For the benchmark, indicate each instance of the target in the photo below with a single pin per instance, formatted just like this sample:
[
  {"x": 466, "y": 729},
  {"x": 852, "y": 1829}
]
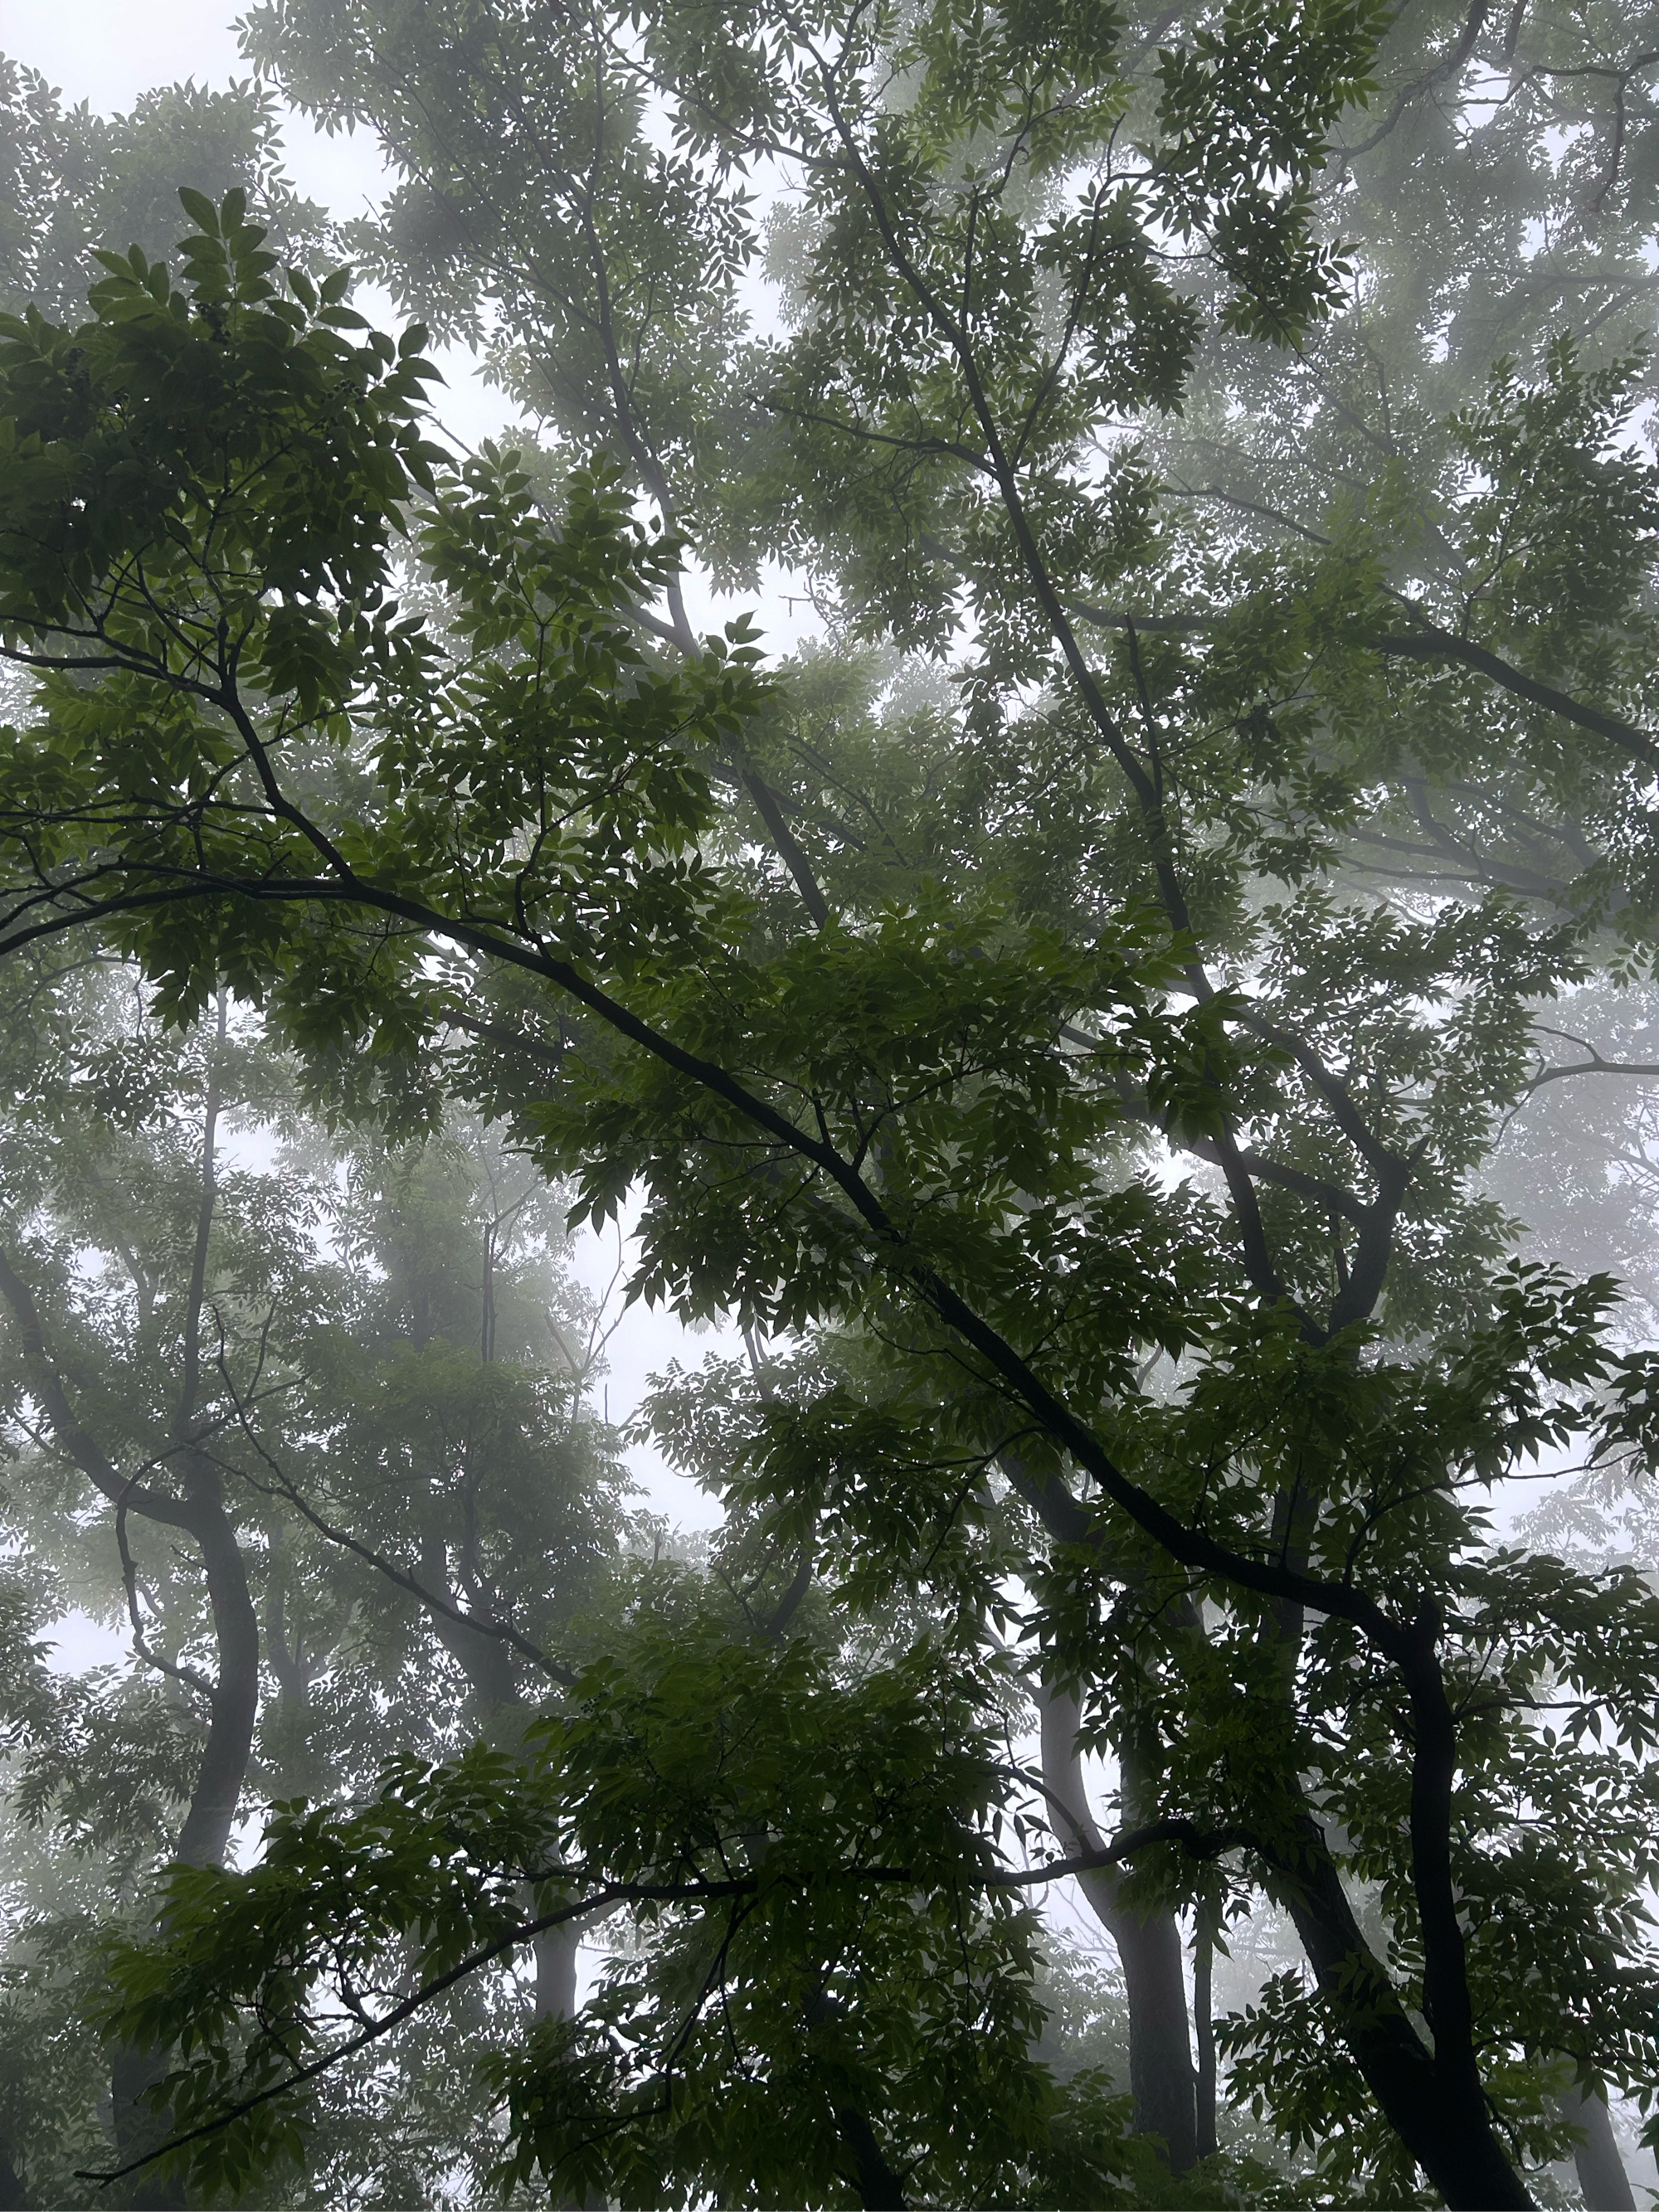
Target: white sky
[{"x": 108, "y": 52}]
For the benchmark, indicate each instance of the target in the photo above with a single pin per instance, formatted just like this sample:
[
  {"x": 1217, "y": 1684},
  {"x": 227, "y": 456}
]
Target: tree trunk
[
  {"x": 233, "y": 1701},
  {"x": 133, "y": 2072},
  {"x": 879, "y": 2188},
  {"x": 1602, "y": 2179},
  {"x": 1443, "y": 2123},
  {"x": 205, "y": 1836},
  {"x": 555, "y": 1972},
  {"x": 1162, "y": 2080},
  {"x": 234, "y": 1708},
  {"x": 1204, "y": 2031},
  {"x": 485, "y": 1660},
  {"x": 1438, "y": 2111},
  {"x": 14, "y": 2195},
  {"x": 555, "y": 1951}
]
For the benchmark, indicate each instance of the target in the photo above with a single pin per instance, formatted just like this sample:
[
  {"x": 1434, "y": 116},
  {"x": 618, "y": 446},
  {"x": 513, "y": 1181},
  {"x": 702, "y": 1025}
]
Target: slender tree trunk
[
  {"x": 555, "y": 1973},
  {"x": 289, "y": 1737},
  {"x": 205, "y": 1836},
  {"x": 133, "y": 2072},
  {"x": 14, "y": 2195},
  {"x": 493, "y": 1686},
  {"x": 555, "y": 1954},
  {"x": 234, "y": 1706},
  {"x": 1434, "y": 2101},
  {"x": 235, "y": 1694},
  {"x": 1204, "y": 2031},
  {"x": 1602, "y": 2179},
  {"x": 1162, "y": 2080},
  {"x": 1432, "y": 2097},
  {"x": 233, "y": 1700},
  {"x": 484, "y": 1660},
  {"x": 879, "y": 2188}
]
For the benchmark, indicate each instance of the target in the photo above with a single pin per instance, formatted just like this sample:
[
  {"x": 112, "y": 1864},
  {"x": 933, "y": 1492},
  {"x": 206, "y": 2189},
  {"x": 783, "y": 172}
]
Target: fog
[{"x": 831, "y": 1153}]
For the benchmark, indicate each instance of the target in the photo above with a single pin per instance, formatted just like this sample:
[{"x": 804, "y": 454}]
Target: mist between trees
[{"x": 1141, "y": 1030}]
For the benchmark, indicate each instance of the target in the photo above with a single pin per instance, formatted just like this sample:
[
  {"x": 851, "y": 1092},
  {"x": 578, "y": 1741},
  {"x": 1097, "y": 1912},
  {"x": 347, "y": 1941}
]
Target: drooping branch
[
  {"x": 1425, "y": 640},
  {"x": 281, "y": 1486},
  {"x": 73, "y": 1439},
  {"x": 607, "y": 1897}
]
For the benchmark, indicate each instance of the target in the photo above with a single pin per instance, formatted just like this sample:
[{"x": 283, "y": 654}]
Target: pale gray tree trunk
[
  {"x": 1602, "y": 2175},
  {"x": 1161, "y": 2079}
]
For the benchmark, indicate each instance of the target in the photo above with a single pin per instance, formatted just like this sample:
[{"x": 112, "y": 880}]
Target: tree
[
  {"x": 1343, "y": 1112},
  {"x": 72, "y": 182},
  {"x": 193, "y": 1388},
  {"x": 1459, "y": 126},
  {"x": 970, "y": 1058}
]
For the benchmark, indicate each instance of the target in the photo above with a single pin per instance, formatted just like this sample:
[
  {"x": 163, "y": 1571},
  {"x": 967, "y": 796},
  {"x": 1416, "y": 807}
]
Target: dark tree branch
[
  {"x": 188, "y": 1675},
  {"x": 549, "y": 1056},
  {"x": 605, "y": 1899},
  {"x": 1448, "y": 65},
  {"x": 1433, "y": 643},
  {"x": 769, "y": 807},
  {"x": 281, "y": 1486},
  {"x": 1596, "y": 1065},
  {"x": 73, "y": 1439}
]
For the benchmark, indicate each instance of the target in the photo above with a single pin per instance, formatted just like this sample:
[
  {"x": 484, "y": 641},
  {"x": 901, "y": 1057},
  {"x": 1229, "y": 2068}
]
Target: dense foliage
[{"x": 1080, "y": 1018}]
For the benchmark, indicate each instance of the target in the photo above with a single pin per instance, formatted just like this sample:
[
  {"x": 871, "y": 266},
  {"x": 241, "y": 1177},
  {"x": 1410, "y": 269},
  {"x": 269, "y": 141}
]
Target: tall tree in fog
[
  {"x": 200, "y": 1391},
  {"x": 606, "y": 278},
  {"x": 894, "y": 995}
]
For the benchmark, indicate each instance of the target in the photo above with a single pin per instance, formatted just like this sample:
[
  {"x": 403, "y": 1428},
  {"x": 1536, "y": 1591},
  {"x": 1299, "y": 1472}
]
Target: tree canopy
[{"x": 1100, "y": 1019}]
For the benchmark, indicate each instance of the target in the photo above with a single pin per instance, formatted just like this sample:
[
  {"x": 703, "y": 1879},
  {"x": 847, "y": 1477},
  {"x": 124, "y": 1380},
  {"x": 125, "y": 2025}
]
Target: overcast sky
[{"x": 107, "y": 52}]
